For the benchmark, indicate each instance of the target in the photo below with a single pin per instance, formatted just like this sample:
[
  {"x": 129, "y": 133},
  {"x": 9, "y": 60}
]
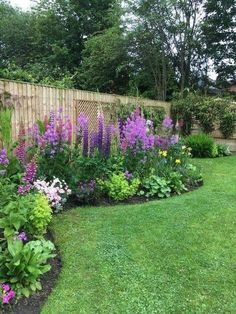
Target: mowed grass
[{"x": 176, "y": 255}]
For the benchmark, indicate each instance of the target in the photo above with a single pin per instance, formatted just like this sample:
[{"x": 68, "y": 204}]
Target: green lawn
[{"x": 177, "y": 255}]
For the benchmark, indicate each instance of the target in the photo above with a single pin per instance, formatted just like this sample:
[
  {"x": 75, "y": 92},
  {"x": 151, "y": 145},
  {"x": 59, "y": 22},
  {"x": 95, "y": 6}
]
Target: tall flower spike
[
  {"x": 20, "y": 149},
  {"x": 3, "y": 157},
  {"x": 107, "y": 144},
  {"x": 93, "y": 142},
  {"x": 100, "y": 131},
  {"x": 85, "y": 140},
  {"x": 30, "y": 171}
]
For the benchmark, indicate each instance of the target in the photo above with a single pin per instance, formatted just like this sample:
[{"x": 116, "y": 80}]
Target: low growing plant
[
  {"x": 21, "y": 265},
  {"x": 155, "y": 186},
  {"x": 119, "y": 188}
]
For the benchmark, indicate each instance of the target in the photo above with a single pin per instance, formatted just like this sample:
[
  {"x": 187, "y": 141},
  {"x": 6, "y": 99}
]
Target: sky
[{"x": 23, "y": 4}]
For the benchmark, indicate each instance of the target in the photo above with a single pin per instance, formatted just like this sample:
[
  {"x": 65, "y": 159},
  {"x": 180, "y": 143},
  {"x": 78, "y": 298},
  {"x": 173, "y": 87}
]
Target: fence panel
[{"x": 33, "y": 102}]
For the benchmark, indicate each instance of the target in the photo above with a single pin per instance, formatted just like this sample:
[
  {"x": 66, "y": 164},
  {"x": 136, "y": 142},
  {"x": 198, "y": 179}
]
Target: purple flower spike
[
  {"x": 30, "y": 171},
  {"x": 85, "y": 140},
  {"x": 3, "y": 157},
  {"x": 93, "y": 142},
  {"x": 107, "y": 144},
  {"x": 24, "y": 189},
  {"x": 100, "y": 131},
  {"x": 167, "y": 123}
]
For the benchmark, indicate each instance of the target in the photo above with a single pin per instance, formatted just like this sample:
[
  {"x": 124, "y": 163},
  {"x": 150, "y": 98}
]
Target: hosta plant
[{"x": 21, "y": 265}]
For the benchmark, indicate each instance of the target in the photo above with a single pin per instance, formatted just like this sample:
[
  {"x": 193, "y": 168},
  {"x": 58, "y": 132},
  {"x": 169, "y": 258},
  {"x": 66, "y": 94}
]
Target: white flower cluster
[{"x": 56, "y": 191}]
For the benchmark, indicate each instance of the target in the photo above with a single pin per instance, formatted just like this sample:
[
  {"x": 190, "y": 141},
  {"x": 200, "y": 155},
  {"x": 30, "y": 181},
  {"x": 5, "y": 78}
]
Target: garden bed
[
  {"x": 109, "y": 166},
  {"x": 73, "y": 202}
]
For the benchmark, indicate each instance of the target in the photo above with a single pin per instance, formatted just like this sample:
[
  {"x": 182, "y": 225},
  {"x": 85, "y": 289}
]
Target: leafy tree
[
  {"x": 220, "y": 36},
  {"x": 16, "y": 46},
  {"x": 105, "y": 63},
  {"x": 174, "y": 32}
]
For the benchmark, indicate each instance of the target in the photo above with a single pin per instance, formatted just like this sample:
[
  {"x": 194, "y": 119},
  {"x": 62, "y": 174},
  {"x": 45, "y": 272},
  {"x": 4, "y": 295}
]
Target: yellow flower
[
  {"x": 183, "y": 147},
  {"x": 178, "y": 161},
  {"x": 164, "y": 153}
]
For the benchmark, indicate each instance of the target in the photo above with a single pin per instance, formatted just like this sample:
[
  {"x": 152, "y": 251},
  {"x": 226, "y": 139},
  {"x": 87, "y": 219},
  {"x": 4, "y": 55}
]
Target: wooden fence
[{"x": 33, "y": 102}]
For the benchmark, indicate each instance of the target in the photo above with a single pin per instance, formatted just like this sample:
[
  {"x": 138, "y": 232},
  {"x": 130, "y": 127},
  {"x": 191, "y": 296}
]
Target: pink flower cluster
[
  {"x": 7, "y": 293},
  {"x": 28, "y": 178},
  {"x": 58, "y": 131},
  {"x": 136, "y": 134},
  {"x": 56, "y": 191},
  {"x": 20, "y": 151}
]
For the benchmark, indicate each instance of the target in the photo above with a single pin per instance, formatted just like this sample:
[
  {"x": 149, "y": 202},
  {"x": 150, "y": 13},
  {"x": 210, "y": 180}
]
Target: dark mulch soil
[
  {"x": 33, "y": 304},
  {"x": 74, "y": 202}
]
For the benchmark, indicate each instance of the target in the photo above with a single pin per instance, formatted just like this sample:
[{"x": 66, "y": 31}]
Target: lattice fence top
[{"x": 33, "y": 102}]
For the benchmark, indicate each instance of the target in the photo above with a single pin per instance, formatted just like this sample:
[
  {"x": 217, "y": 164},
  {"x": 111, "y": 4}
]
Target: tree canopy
[{"x": 153, "y": 48}]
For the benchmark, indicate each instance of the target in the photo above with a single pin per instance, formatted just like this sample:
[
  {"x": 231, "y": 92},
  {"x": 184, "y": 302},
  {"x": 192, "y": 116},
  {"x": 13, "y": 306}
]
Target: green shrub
[
  {"x": 30, "y": 213},
  {"x": 223, "y": 150},
  {"x": 208, "y": 111},
  {"x": 39, "y": 214},
  {"x": 191, "y": 176},
  {"x": 202, "y": 145},
  {"x": 227, "y": 123},
  {"x": 119, "y": 188},
  {"x": 176, "y": 184},
  {"x": 155, "y": 186},
  {"x": 21, "y": 264}
]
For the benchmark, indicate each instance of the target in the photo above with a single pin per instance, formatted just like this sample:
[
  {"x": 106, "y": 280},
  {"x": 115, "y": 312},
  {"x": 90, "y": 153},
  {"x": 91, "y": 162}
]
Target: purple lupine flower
[
  {"x": 51, "y": 134},
  {"x": 82, "y": 121},
  {"x": 167, "y": 123},
  {"x": 128, "y": 175},
  {"x": 121, "y": 128},
  {"x": 100, "y": 131},
  {"x": 30, "y": 171},
  {"x": 93, "y": 142},
  {"x": 20, "y": 151},
  {"x": 24, "y": 189},
  {"x": 107, "y": 144},
  {"x": 85, "y": 140},
  {"x": 3, "y": 157},
  {"x": 174, "y": 139}
]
